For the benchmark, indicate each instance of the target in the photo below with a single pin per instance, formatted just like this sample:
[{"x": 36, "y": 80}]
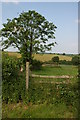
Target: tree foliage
[{"x": 29, "y": 33}]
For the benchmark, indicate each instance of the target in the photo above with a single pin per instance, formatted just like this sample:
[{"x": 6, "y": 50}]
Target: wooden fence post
[{"x": 27, "y": 75}]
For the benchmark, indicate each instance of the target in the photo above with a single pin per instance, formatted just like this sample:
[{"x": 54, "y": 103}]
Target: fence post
[{"x": 27, "y": 75}]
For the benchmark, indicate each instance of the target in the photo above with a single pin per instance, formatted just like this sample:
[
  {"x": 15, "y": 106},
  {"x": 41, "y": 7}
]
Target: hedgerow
[{"x": 13, "y": 84}]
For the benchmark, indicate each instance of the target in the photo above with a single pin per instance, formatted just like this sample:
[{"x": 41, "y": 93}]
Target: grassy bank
[{"x": 21, "y": 110}]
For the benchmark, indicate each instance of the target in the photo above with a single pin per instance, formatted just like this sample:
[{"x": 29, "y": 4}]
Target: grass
[
  {"x": 20, "y": 110},
  {"x": 61, "y": 70}
]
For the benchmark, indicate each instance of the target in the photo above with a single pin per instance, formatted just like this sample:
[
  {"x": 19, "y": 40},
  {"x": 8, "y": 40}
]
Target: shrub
[
  {"x": 36, "y": 65},
  {"x": 10, "y": 67},
  {"x": 65, "y": 62},
  {"x": 52, "y": 93},
  {"x": 75, "y": 60},
  {"x": 13, "y": 83},
  {"x": 55, "y": 59}
]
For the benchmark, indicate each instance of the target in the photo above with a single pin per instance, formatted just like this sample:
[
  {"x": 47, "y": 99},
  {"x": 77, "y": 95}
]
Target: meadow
[{"x": 46, "y": 98}]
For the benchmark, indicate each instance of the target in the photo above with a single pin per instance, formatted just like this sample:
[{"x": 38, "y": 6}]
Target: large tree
[{"x": 30, "y": 33}]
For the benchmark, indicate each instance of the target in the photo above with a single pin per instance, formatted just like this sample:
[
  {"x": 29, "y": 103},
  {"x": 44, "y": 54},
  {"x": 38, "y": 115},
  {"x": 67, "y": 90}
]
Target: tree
[
  {"x": 55, "y": 59},
  {"x": 29, "y": 33},
  {"x": 64, "y": 54}
]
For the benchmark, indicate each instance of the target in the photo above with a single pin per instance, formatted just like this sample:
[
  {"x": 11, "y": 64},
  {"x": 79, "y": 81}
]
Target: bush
[
  {"x": 55, "y": 59},
  {"x": 52, "y": 93},
  {"x": 36, "y": 65},
  {"x": 13, "y": 83},
  {"x": 14, "y": 91},
  {"x": 10, "y": 67},
  {"x": 65, "y": 62},
  {"x": 75, "y": 60}
]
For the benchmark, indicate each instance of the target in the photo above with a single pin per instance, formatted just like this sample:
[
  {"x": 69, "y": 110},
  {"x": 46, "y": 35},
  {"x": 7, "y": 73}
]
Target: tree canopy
[{"x": 30, "y": 33}]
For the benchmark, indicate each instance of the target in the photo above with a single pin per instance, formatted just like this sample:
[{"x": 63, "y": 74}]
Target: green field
[{"x": 57, "y": 70}]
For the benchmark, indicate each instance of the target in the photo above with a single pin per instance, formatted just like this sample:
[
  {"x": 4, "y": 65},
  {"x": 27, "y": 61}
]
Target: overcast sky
[{"x": 63, "y": 14}]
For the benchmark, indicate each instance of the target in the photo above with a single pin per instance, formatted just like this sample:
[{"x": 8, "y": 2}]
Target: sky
[{"x": 63, "y": 14}]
